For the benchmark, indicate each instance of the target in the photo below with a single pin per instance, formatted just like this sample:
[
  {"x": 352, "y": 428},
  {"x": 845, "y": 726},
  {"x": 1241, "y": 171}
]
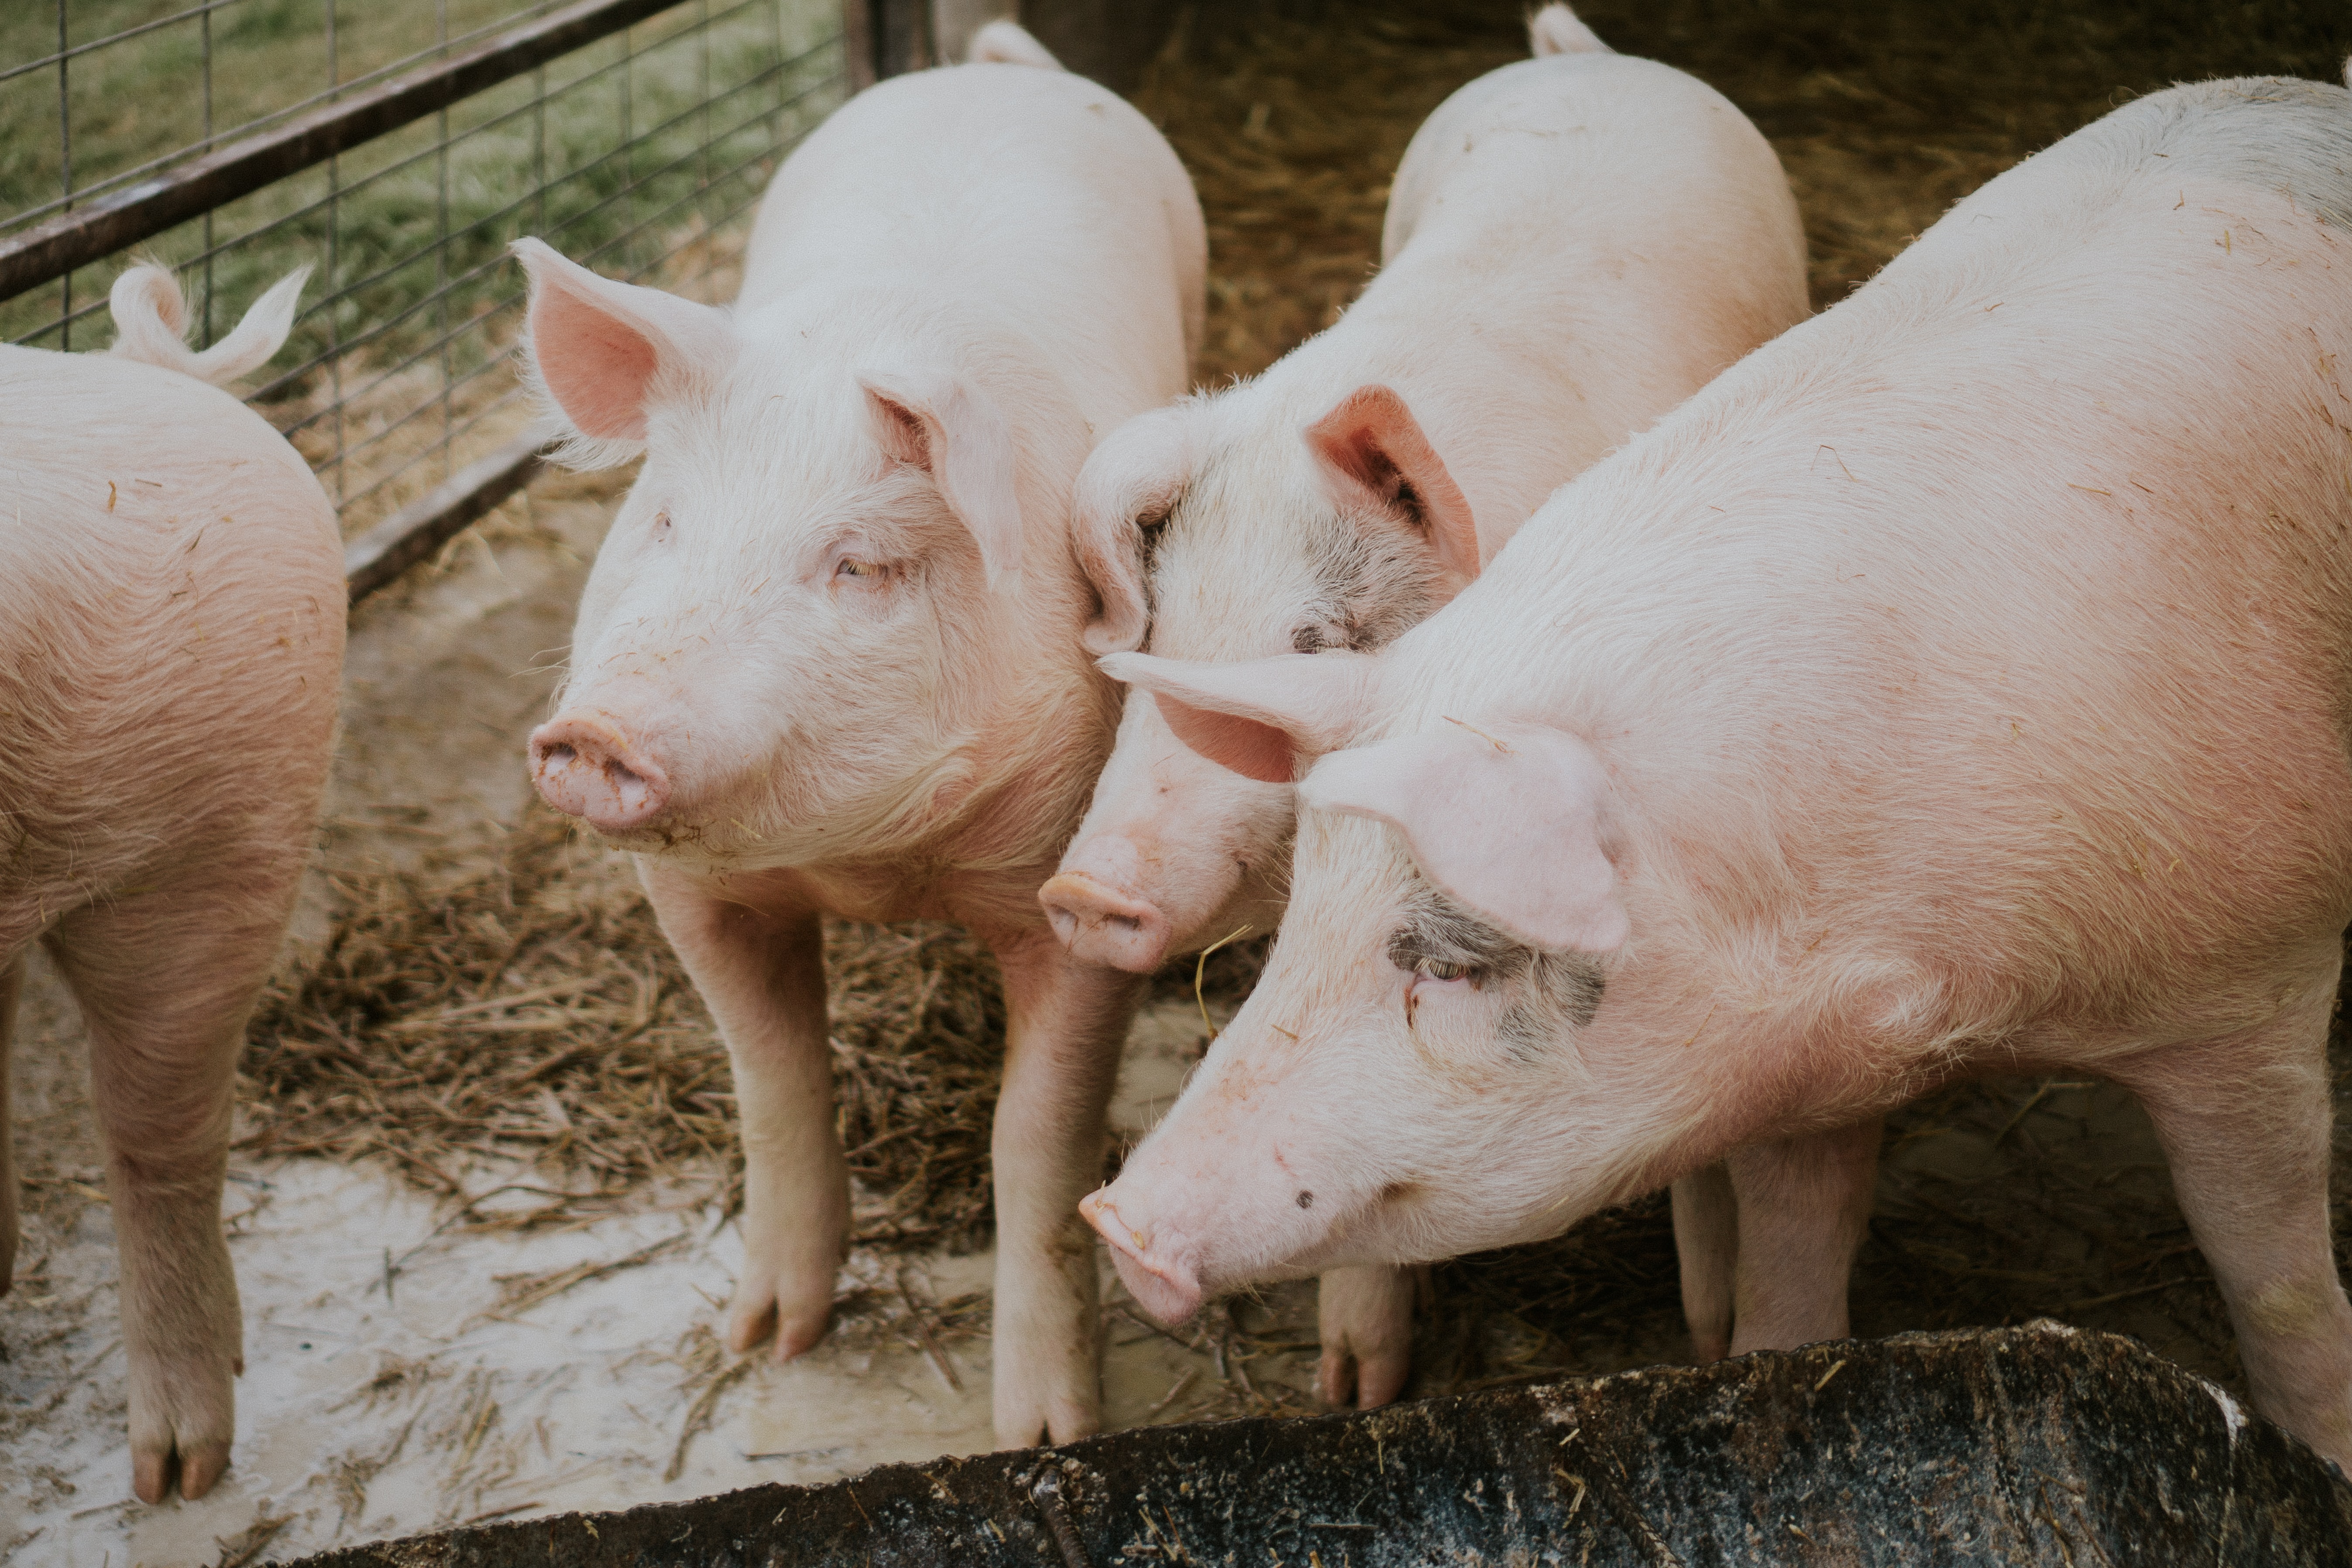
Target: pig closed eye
[{"x": 1313, "y": 639}]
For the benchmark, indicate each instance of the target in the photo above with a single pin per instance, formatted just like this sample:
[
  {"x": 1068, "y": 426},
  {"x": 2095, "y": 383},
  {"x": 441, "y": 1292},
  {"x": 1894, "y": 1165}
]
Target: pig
[
  {"x": 827, "y": 661},
  {"x": 1575, "y": 243},
  {"x": 170, "y": 651},
  {"x": 1957, "y": 685}
]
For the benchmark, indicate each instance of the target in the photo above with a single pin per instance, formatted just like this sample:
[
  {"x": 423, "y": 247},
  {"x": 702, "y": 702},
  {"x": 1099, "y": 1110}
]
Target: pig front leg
[
  {"x": 1066, "y": 1022},
  {"x": 761, "y": 974},
  {"x": 166, "y": 981},
  {"x": 2244, "y": 1124},
  {"x": 1706, "y": 1246},
  {"x": 1803, "y": 1206},
  {"x": 12, "y": 986},
  {"x": 1365, "y": 1316}
]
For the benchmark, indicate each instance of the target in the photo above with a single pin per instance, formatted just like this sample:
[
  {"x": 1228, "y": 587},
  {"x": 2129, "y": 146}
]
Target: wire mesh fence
[{"x": 417, "y": 138}]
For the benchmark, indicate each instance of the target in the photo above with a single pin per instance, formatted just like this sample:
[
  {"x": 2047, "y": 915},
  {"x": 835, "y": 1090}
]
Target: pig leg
[
  {"x": 2245, "y": 1123},
  {"x": 165, "y": 982},
  {"x": 12, "y": 985},
  {"x": 1066, "y": 1022},
  {"x": 1804, "y": 1205},
  {"x": 1707, "y": 1243},
  {"x": 1365, "y": 1318},
  {"x": 761, "y": 974}
]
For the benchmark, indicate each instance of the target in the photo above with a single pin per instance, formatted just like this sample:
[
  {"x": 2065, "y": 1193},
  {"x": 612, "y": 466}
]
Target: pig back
[
  {"x": 1999, "y": 620},
  {"x": 171, "y": 620},
  {"x": 1032, "y": 198}
]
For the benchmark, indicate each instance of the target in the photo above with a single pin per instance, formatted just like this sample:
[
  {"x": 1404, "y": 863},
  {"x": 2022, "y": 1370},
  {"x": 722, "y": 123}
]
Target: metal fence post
[{"x": 902, "y": 36}]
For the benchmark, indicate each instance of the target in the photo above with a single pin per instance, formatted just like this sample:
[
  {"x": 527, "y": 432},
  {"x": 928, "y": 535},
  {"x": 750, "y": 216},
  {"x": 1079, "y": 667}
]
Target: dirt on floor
[{"x": 481, "y": 1204}]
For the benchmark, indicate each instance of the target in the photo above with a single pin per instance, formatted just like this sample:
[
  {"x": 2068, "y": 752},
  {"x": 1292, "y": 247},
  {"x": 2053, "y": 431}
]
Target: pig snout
[
  {"x": 1160, "y": 1271},
  {"x": 591, "y": 768},
  {"x": 1100, "y": 924}
]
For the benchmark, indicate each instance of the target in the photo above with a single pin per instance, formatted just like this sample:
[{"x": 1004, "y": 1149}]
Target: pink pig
[
  {"x": 171, "y": 649},
  {"x": 1575, "y": 244},
  {"x": 828, "y": 660},
  {"x": 1957, "y": 685}
]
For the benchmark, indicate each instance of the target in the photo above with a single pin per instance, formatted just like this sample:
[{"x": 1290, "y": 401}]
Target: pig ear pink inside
[
  {"x": 1249, "y": 747},
  {"x": 933, "y": 422},
  {"x": 600, "y": 347},
  {"x": 1510, "y": 821},
  {"x": 1374, "y": 455},
  {"x": 1130, "y": 483},
  {"x": 1257, "y": 716}
]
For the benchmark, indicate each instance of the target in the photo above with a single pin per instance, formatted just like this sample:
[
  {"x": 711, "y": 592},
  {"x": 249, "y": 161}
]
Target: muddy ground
[{"x": 415, "y": 1360}]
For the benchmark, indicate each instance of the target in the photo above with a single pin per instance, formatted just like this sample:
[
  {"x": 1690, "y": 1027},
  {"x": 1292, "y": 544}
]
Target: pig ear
[
  {"x": 935, "y": 423},
  {"x": 603, "y": 350},
  {"x": 1512, "y": 821},
  {"x": 1255, "y": 717},
  {"x": 1130, "y": 483},
  {"x": 1373, "y": 455}
]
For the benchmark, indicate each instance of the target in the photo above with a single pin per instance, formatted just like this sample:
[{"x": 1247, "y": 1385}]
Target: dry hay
[
  {"x": 1292, "y": 115},
  {"x": 533, "y": 1013}
]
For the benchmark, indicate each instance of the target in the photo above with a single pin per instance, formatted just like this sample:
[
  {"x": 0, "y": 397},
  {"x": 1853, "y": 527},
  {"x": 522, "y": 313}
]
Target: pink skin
[
  {"x": 828, "y": 660},
  {"x": 171, "y": 648},
  {"x": 1766, "y": 790}
]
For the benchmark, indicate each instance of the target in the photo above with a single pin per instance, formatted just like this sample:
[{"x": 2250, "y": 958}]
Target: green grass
[{"x": 625, "y": 153}]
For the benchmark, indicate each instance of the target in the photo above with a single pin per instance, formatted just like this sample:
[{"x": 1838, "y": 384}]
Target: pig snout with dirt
[
  {"x": 1957, "y": 685},
  {"x": 171, "y": 648},
  {"x": 1574, "y": 243},
  {"x": 828, "y": 659}
]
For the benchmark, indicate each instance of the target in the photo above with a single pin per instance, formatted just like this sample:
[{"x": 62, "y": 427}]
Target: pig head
[
  {"x": 1418, "y": 1073},
  {"x": 815, "y": 610},
  {"x": 1351, "y": 529}
]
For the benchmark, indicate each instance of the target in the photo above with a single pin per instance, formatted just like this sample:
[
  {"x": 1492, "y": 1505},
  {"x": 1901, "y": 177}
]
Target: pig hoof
[
  {"x": 183, "y": 1417},
  {"x": 151, "y": 1475},
  {"x": 1061, "y": 1421},
  {"x": 200, "y": 1468},
  {"x": 797, "y": 1321},
  {"x": 1364, "y": 1383}
]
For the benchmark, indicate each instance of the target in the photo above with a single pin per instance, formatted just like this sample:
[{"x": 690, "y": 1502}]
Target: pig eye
[
  {"x": 867, "y": 571},
  {"x": 659, "y": 527},
  {"x": 1438, "y": 969}
]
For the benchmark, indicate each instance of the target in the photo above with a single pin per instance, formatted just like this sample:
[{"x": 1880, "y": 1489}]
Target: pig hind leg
[
  {"x": 1804, "y": 1205},
  {"x": 1065, "y": 1024},
  {"x": 761, "y": 974},
  {"x": 1365, "y": 1318},
  {"x": 166, "y": 981},
  {"x": 1706, "y": 1246},
  {"x": 2245, "y": 1123}
]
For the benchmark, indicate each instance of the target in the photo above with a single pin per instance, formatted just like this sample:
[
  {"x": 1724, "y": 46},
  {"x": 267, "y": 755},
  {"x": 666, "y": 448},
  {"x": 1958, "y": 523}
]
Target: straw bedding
[{"x": 530, "y": 1011}]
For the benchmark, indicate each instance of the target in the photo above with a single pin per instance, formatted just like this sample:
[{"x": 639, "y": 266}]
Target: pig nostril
[{"x": 557, "y": 755}]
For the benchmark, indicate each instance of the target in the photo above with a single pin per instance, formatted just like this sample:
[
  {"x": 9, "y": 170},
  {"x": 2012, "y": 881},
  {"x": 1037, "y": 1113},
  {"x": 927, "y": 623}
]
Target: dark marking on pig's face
[
  {"x": 1539, "y": 997},
  {"x": 1373, "y": 584}
]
